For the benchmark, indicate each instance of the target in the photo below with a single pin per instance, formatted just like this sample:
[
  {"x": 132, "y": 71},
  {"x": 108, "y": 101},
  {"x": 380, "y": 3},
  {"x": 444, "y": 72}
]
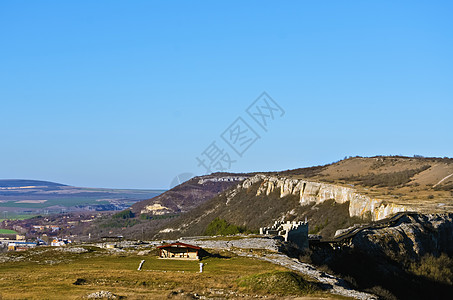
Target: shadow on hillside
[
  {"x": 218, "y": 255},
  {"x": 382, "y": 276}
]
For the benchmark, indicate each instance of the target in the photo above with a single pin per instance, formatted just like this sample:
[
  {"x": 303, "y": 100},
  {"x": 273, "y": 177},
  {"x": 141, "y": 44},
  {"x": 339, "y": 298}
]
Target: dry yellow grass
[
  {"x": 101, "y": 270},
  {"x": 428, "y": 191}
]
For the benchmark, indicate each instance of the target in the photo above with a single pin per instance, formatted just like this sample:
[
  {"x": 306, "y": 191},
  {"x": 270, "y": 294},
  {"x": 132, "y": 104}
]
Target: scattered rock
[
  {"x": 180, "y": 294},
  {"x": 143, "y": 252},
  {"x": 76, "y": 250},
  {"x": 103, "y": 295},
  {"x": 80, "y": 281}
]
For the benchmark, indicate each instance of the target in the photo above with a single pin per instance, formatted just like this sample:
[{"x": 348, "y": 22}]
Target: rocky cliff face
[
  {"x": 402, "y": 257},
  {"x": 413, "y": 236},
  {"x": 310, "y": 192}
]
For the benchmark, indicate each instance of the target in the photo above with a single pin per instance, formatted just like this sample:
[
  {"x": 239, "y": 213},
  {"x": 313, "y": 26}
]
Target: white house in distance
[{"x": 60, "y": 242}]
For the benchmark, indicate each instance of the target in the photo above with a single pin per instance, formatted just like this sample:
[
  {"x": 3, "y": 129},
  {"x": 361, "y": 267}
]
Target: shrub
[
  {"x": 446, "y": 187},
  {"x": 305, "y": 172},
  {"x": 221, "y": 227},
  {"x": 124, "y": 218},
  {"x": 318, "y": 227},
  {"x": 125, "y": 214},
  {"x": 387, "y": 179},
  {"x": 435, "y": 268},
  {"x": 382, "y": 292},
  {"x": 157, "y": 217},
  {"x": 145, "y": 217}
]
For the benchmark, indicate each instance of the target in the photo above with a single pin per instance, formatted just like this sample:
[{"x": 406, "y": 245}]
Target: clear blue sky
[{"x": 128, "y": 93}]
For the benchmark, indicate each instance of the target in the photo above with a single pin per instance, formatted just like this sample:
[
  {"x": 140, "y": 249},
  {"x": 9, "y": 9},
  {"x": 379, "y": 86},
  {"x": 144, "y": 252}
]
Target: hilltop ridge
[
  {"x": 189, "y": 194},
  {"x": 27, "y": 183},
  {"x": 331, "y": 197}
]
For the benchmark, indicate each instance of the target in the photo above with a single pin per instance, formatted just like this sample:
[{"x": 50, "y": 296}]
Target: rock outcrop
[
  {"x": 413, "y": 236},
  {"x": 310, "y": 192},
  {"x": 222, "y": 179},
  {"x": 155, "y": 209}
]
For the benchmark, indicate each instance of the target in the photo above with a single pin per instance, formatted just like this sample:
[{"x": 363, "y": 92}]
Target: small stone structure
[
  {"x": 295, "y": 232},
  {"x": 180, "y": 251}
]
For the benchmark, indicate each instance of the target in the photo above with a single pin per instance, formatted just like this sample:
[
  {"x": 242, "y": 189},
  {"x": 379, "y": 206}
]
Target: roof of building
[
  {"x": 178, "y": 245},
  {"x": 22, "y": 243}
]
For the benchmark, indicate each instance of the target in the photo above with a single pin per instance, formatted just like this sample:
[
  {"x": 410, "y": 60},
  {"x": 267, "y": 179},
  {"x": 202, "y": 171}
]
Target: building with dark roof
[{"x": 180, "y": 251}]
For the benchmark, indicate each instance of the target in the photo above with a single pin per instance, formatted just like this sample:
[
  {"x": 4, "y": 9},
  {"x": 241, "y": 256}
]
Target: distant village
[
  {"x": 42, "y": 231},
  {"x": 53, "y": 231}
]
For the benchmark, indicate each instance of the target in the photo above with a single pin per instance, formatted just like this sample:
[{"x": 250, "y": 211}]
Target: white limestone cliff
[
  {"x": 220, "y": 179},
  {"x": 155, "y": 209},
  {"x": 310, "y": 192}
]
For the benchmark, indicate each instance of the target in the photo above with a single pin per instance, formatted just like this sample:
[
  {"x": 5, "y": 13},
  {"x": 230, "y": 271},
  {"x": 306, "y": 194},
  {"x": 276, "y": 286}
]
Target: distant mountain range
[
  {"x": 26, "y": 183},
  {"x": 35, "y": 196}
]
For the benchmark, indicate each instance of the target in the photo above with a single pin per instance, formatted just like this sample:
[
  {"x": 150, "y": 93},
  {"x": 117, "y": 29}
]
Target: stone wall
[
  {"x": 245, "y": 243},
  {"x": 296, "y": 232}
]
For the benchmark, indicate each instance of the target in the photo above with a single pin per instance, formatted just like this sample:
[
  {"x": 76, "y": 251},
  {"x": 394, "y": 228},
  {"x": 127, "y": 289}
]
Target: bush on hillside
[
  {"x": 435, "y": 268},
  {"x": 222, "y": 227},
  {"x": 125, "y": 214},
  {"x": 387, "y": 179}
]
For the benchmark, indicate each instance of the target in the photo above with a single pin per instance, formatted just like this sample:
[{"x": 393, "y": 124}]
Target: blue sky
[{"x": 128, "y": 93}]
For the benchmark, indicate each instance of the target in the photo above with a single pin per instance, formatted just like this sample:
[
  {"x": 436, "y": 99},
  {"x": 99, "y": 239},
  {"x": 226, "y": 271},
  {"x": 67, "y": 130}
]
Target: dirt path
[{"x": 442, "y": 180}]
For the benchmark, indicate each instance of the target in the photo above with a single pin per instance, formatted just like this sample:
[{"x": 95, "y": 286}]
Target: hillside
[
  {"x": 188, "y": 195},
  {"x": 145, "y": 217},
  {"x": 24, "y": 183},
  {"x": 414, "y": 182},
  {"x": 331, "y": 197},
  {"x": 243, "y": 207}
]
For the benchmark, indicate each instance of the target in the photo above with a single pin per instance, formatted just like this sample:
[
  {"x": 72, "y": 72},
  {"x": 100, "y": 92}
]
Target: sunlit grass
[
  {"x": 99, "y": 270},
  {"x": 53, "y": 273},
  {"x": 7, "y": 231},
  {"x": 17, "y": 217}
]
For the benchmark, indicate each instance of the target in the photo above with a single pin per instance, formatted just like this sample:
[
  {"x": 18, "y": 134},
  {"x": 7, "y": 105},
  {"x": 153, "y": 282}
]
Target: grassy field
[
  {"x": 47, "y": 194},
  {"x": 17, "y": 217},
  {"x": 46, "y": 273},
  {"x": 7, "y": 231},
  {"x": 63, "y": 201}
]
